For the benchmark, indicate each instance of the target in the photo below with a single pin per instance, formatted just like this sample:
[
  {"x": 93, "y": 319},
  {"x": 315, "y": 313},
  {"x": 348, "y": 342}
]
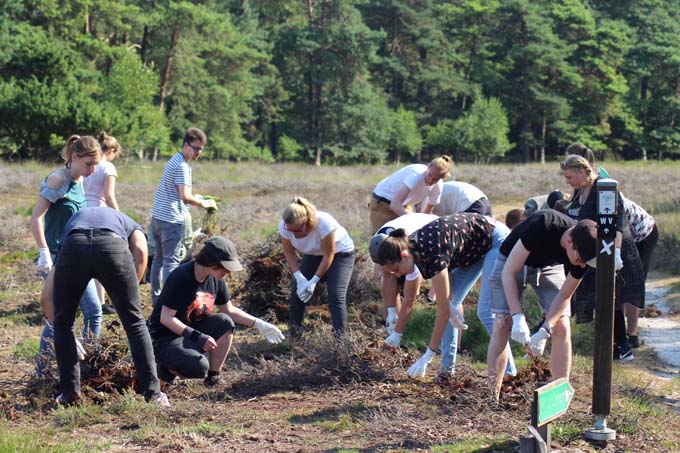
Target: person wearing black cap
[
  {"x": 190, "y": 340},
  {"x": 552, "y": 242}
]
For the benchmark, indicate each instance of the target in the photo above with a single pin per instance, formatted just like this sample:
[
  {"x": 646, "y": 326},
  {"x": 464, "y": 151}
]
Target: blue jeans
[
  {"x": 88, "y": 254},
  {"x": 462, "y": 281},
  {"x": 168, "y": 239},
  {"x": 337, "y": 278},
  {"x": 92, "y": 322}
]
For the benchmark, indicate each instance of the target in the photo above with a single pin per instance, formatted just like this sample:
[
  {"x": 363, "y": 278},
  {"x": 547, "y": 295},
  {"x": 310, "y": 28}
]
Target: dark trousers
[
  {"x": 183, "y": 356},
  {"x": 84, "y": 255},
  {"x": 337, "y": 279},
  {"x": 646, "y": 248}
]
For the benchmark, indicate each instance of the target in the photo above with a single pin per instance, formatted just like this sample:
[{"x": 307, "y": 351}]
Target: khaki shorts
[{"x": 380, "y": 214}]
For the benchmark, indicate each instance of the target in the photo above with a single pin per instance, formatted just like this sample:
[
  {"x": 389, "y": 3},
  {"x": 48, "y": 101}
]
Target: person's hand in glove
[
  {"x": 309, "y": 290},
  {"x": 456, "y": 318},
  {"x": 391, "y": 320},
  {"x": 618, "y": 262},
  {"x": 301, "y": 284},
  {"x": 207, "y": 202},
  {"x": 394, "y": 340},
  {"x": 269, "y": 331},
  {"x": 44, "y": 259},
  {"x": 419, "y": 368},
  {"x": 520, "y": 330},
  {"x": 538, "y": 341}
]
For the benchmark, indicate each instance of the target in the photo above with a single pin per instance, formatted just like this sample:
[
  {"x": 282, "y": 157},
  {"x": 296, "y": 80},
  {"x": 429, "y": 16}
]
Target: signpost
[
  {"x": 550, "y": 401},
  {"x": 607, "y": 206}
]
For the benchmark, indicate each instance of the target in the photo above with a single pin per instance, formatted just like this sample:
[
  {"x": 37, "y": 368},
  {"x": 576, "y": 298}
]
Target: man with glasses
[{"x": 173, "y": 194}]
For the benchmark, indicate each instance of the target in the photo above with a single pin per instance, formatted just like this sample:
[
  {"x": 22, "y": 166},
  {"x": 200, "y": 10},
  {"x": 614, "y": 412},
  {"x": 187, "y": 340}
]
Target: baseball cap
[
  {"x": 224, "y": 251},
  {"x": 374, "y": 245},
  {"x": 585, "y": 242},
  {"x": 553, "y": 197}
]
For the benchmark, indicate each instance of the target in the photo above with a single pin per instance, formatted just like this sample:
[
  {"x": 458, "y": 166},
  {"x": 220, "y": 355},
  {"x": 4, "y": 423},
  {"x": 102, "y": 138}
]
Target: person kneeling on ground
[
  {"x": 547, "y": 240},
  {"x": 189, "y": 340},
  {"x": 101, "y": 243}
]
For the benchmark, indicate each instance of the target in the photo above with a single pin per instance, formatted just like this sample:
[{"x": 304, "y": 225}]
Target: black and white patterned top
[{"x": 458, "y": 240}]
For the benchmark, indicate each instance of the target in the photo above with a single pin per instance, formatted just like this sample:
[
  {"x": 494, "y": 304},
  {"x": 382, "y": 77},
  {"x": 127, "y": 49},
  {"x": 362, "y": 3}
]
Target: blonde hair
[
  {"x": 444, "y": 164},
  {"x": 108, "y": 144},
  {"x": 298, "y": 209},
  {"x": 84, "y": 146},
  {"x": 576, "y": 162}
]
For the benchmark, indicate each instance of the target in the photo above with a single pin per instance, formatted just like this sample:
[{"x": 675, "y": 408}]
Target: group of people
[{"x": 423, "y": 229}]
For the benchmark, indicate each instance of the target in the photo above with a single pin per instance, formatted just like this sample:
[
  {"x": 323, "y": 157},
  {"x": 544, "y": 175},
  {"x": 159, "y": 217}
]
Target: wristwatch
[{"x": 547, "y": 327}]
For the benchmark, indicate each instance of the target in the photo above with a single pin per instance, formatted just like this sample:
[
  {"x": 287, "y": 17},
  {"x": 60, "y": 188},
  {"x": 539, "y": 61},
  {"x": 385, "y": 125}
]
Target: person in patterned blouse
[{"x": 444, "y": 250}]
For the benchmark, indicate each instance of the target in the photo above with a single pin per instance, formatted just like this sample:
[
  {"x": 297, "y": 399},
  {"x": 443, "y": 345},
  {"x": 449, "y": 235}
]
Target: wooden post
[{"x": 607, "y": 203}]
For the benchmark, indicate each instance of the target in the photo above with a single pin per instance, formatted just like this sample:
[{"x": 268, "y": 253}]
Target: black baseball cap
[{"x": 224, "y": 251}]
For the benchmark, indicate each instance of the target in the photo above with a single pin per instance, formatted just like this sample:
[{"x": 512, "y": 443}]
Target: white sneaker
[{"x": 160, "y": 400}]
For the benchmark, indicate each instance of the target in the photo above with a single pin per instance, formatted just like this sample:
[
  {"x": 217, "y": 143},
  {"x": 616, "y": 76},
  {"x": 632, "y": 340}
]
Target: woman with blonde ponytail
[
  {"x": 61, "y": 196},
  {"x": 327, "y": 254}
]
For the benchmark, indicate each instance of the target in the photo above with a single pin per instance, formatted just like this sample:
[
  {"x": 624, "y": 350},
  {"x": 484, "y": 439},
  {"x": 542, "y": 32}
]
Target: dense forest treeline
[{"x": 343, "y": 81}]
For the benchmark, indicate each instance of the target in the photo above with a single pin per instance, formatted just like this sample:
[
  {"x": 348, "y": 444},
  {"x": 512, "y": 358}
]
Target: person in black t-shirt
[
  {"x": 190, "y": 340},
  {"x": 551, "y": 242}
]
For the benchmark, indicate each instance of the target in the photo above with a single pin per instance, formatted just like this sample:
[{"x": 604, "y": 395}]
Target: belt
[
  {"x": 91, "y": 232},
  {"x": 342, "y": 254},
  {"x": 379, "y": 198}
]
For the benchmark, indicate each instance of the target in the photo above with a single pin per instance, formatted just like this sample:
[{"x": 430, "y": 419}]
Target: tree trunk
[
  {"x": 544, "y": 133},
  {"x": 165, "y": 76},
  {"x": 145, "y": 44},
  {"x": 398, "y": 156},
  {"x": 317, "y": 160}
]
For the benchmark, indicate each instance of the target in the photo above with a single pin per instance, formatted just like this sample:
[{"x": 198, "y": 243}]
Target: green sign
[{"x": 553, "y": 400}]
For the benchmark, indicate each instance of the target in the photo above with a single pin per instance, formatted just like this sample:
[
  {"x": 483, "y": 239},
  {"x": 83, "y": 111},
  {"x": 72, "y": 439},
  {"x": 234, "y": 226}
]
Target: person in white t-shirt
[
  {"x": 327, "y": 254},
  {"x": 414, "y": 184},
  {"x": 100, "y": 190}
]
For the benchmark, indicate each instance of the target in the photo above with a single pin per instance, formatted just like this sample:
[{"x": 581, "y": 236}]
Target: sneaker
[
  {"x": 160, "y": 400},
  {"x": 164, "y": 374},
  {"x": 634, "y": 341},
  {"x": 212, "y": 380},
  {"x": 68, "y": 400},
  {"x": 108, "y": 309},
  {"x": 623, "y": 353}
]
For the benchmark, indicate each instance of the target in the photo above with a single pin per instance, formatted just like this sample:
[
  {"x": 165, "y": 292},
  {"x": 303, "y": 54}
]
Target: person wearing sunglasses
[
  {"x": 327, "y": 253},
  {"x": 173, "y": 194},
  {"x": 630, "y": 283}
]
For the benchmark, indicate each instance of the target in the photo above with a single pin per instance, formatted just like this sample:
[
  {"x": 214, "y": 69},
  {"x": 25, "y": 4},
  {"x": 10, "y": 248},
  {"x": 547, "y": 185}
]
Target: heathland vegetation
[
  {"x": 317, "y": 395},
  {"x": 343, "y": 81}
]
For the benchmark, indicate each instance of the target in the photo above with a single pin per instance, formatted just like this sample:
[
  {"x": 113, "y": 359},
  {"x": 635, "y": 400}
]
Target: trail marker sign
[{"x": 553, "y": 400}]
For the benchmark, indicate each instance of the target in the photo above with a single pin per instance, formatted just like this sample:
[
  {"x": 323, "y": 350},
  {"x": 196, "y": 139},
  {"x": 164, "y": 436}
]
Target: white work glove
[
  {"x": 269, "y": 331},
  {"x": 206, "y": 202},
  {"x": 618, "y": 262},
  {"x": 309, "y": 290},
  {"x": 391, "y": 320},
  {"x": 418, "y": 369},
  {"x": 538, "y": 341},
  {"x": 520, "y": 330},
  {"x": 301, "y": 283},
  {"x": 456, "y": 319},
  {"x": 393, "y": 340},
  {"x": 44, "y": 259},
  {"x": 80, "y": 350}
]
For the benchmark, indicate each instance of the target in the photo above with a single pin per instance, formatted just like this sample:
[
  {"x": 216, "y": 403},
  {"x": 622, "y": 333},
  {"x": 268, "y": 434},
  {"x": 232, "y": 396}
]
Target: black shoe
[
  {"x": 623, "y": 353},
  {"x": 108, "y": 309},
  {"x": 634, "y": 341},
  {"x": 212, "y": 380},
  {"x": 164, "y": 374}
]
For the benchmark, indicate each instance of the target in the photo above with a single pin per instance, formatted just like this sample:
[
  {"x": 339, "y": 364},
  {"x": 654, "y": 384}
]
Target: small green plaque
[{"x": 553, "y": 400}]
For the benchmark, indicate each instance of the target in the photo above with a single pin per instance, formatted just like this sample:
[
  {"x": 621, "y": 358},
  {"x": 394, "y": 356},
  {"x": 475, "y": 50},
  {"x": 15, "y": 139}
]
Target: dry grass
[{"x": 316, "y": 394}]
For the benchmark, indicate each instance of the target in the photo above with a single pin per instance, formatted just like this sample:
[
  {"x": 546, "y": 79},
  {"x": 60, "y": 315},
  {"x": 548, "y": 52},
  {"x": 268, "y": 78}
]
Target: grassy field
[{"x": 317, "y": 395}]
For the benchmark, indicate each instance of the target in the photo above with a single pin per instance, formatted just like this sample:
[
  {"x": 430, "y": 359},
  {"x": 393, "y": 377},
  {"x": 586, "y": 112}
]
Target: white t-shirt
[
  {"x": 414, "y": 178},
  {"x": 456, "y": 197},
  {"x": 93, "y": 185},
  {"x": 410, "y": 223},
  {"x": 311, "y": 244}
]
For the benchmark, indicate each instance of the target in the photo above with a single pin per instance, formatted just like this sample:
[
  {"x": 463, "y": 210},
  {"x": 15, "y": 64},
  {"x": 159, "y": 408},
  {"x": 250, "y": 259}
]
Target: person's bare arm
[
  {"x": 140, "y": 252},
  {"x": 514, "y": 264},
  {"x": 109, "y": 190},
  {"x": 397, "y": 203}
]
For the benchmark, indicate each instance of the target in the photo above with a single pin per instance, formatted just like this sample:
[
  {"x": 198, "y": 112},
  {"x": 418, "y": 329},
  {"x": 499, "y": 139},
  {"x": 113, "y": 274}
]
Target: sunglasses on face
[
  {"x": 294, "y": 229},
  {"x": 197, "y": 149}
]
